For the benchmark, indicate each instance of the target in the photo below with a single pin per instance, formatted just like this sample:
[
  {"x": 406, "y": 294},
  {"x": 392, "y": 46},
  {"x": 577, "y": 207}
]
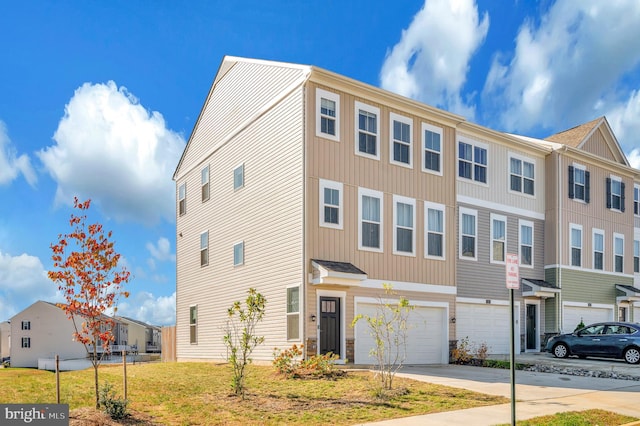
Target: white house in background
[
  {"x": 142, "y": 336},
  {"x": 5, "y": 339},
  {"x": 42, "y": 331}
]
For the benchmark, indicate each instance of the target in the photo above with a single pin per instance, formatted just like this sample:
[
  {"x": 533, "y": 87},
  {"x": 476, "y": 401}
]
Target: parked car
[{"x": 604, "y": 339}]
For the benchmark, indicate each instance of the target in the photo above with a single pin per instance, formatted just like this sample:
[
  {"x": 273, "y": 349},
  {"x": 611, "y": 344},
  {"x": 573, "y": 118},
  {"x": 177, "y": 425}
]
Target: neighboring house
[
  {"x": 42, "y": 330},
  {"x": 5, "y": 339},
  {"x": 143, "y": 337},
  {"x": 316, "y": 190}
]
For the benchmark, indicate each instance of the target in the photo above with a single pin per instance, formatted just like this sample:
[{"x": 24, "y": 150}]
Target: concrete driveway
[{"x": 537, "y": 393}]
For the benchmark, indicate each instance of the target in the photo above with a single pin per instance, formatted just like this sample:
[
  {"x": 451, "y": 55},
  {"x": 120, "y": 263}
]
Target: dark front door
[
  {"x": 532, "y": 327},
  {"x": 330, "y": 325}
]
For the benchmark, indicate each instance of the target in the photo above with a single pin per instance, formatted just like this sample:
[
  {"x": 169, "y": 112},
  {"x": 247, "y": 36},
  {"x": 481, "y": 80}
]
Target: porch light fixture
[{"x": 313, "y": 318}]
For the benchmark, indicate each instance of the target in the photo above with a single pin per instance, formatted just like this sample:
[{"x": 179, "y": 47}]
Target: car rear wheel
[
  {"x": 560, "y": 350},
  {"x": 632, "y": 355}
]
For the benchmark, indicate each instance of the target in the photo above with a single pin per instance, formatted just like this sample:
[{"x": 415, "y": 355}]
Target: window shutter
[
  {"x": 587, "y": 185},
  {"x": 571, "y": 195},
  {"x": 622, "y": 198},
  {"x": 608, "y": 193}
]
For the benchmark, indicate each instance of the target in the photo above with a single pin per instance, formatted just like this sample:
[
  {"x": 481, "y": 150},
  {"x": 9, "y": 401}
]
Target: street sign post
[{"x": 513, "y": 283}]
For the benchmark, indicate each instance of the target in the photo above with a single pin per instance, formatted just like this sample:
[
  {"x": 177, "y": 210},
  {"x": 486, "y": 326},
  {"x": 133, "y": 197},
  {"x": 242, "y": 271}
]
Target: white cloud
[
  {"x": 624, "y": 119},
  {"x": 111, "y": 149},
  {"x": 634, "y": 158},
  {"x": 431, "y": 61},
  {"x": 23, "y": 281},
  {"x": 162, "y": 250},
  {"x": 10, "y": 164},
  {"x": 567, "y": 69},
  {"x": 144, "y": 306}
]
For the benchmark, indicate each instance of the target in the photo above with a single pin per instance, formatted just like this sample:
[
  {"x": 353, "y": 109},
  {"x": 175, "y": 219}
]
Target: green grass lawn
[{"x": 579, "y": 418}]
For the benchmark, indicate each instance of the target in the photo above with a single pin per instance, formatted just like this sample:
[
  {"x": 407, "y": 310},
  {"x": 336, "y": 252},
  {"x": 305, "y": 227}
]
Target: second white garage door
[
  {"x": 489, "y": 324},
  {"x": 427, "y": 337},
  {"x": 572, "y": 315}
]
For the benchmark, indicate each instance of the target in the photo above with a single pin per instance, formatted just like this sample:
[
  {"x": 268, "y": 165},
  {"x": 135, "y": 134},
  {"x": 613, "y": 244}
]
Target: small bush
[
  {"x": 116, "y": 408},
  {"x": 580, "y": 325},
  {"x": 289, "y": 362},
  {"x": 462, "y": 352}
]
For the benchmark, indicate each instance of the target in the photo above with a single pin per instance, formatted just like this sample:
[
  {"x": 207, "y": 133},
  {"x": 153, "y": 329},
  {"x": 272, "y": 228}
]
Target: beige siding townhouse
[{"x": 5, "y": 339}]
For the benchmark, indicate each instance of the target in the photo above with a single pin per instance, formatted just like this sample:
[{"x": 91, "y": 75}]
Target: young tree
[
  {"x": 86, "y": 271},
  {"x": 389, "y": 329},
  {"x": 240, "y": 337}
]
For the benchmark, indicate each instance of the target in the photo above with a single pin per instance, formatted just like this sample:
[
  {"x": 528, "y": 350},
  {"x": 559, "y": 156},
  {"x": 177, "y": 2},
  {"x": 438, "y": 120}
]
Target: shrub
[
  {"x": 116, "y": 408},
  {"x": 461, "y": 354},
  {"x": 289, "y": 362},
  {"x": 579, "y": 326}
]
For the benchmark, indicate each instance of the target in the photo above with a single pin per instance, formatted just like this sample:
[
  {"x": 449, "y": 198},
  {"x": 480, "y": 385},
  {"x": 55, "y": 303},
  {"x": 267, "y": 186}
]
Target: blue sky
[{"x": 98, "y": 99}]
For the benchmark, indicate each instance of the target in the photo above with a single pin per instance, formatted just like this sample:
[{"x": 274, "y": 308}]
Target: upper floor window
[
  {"x": 598, "y": 249},
  {"x": 526, "y": 243},
  {"x": 204, "y": 178},
  {"x": 204, "y": 248},
  {"x": 293, "y": 313},
  {"x": 401, "y": 140},
  {"x": 26, "y": 325},
  {"x": 636, "y": 200},
  {"x": 468, "y": 236},
  {"x": 182, "y": 199},
  {"x": 432, "y": 146},
  {"x": 367, "y": 132},
  {"x": 26, "y": 342},
  {"x": 522, "y": 175},
  {"x": 576, "y": 245},
  {"x": 636, "y": 256},
  {"x": 579, "y": 184},
  {"x": 615, "y": 193},
  {"x": 472, "y": 162},
  {"x": 238, "y": 177},
  {"x": 370, "y": 219},
  {"x": 330, "y": 204},
  {"x": 618, "y": 252},
  {"x": 238, "y": 253},
  {"x": 498, "y": 238},
  {"x": 434, "y": 226},
  {"x": 328, "y": 114},
  {"x": 193, "y": 324},
  {"x": 404, "y": 211}
]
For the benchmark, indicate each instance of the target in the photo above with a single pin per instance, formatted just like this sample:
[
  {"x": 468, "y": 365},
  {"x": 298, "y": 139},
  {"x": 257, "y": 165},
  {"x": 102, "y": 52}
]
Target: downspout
[
  {"x": 303, "y": 284},
  {"x": 560, "y": 236}
]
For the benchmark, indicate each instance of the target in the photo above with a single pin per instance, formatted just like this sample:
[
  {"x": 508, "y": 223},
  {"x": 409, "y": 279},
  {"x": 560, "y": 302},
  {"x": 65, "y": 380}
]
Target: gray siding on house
[{"x": 591, "y": 287}]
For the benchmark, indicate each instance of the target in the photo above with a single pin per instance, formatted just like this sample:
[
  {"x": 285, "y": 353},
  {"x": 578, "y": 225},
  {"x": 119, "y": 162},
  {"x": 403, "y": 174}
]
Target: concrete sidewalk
[{"x": 537, "y": 394}]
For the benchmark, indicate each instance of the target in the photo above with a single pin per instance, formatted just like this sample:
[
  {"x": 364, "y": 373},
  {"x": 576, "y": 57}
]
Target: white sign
[{"x": 513, "y": 272}]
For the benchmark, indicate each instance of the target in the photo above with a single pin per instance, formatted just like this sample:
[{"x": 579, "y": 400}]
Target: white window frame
[
  {"x": 330, "y": 96},
  {"x": 615, "y": 253},
  {"x": 411, "y": 202},
  {"x": 474, "y": 213},
  {"x": 498, "y": 218},
  {"x": 433, "y": 129},
  {"x": 583, "y": 169},
  {"x": 618, "y": 180},
  {"x": 182, "y": 199},
  {"x": 293, "y": 313},
  {"x": 26, "y": 343},
  {"x": 337, "y": 186},
  {"x": 636, "y": 255},
  {"x": 474, "y": 144},
  {"x": 204, "y": 248},
  {"x": 237, "y": 187},
  {"x": 193, "y": 336},
  {"x": 371, "y": 110},
  {"x": 374, "y": 194},
  {"x": 526, "y": 223},
  {"x": 573, "y": 245},
  {"x": 636, "y": 200},
  {"x": 393, "y": 117},
  {"x": 442, "y": 209},
  {"x": 238, "y": 246},
  {"x": 521, "y": 176},
  {"x": 599, "y": 232},
  {"x": 204, "y": 183}
]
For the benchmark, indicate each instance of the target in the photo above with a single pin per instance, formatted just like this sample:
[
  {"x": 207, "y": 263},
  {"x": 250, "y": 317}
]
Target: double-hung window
[
  {"x": 204, "y": 248},
  {"x": 432, "y": 146},
  {"x": 204, "y": 178},
  {"x": 618, "y": 252},
  {"x": 472, "y": 161},
  {"x": 521, "y": 175},
  {"x": 370, "y": 219},
  {"x": 193, "y": 324},
  {"x": 579, "y": 183},
  {"x": 498, "y": 238},
  {"x": 293, "y": 313},
  {"x": 526, "y": 243},
  {"x": 404, "y": 212},
  {"x": 468, "y": 233},
  {"x": 26, "y": 325},
  {"x": 576, "y": 244},
  {"x": 636, "y": 256},
  {"x": 367, "y": 130},
  {"x": 434, "y": 228},
  {"x": 238, "y": 254},
  {"x": 330, "y": 204},
  {"x": 598, "y": 249},
  {"x": 636, "y": 200},
  {"x": 238, "y": 177},
  {"x": 401, "y": 140},
  {"x": 615, "y": 194},
  {"x": 182, "y": 199},
  {"x": 328, "y": 115},
  {"x": 26, "y": 342}
]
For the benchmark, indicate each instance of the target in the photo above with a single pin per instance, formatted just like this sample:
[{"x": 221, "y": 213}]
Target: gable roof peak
[{"x": 576, "y": 135}]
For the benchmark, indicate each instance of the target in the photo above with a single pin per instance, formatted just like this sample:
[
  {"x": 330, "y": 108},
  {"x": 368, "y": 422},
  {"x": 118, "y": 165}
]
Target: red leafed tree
[{"x": 85, "y": 267}]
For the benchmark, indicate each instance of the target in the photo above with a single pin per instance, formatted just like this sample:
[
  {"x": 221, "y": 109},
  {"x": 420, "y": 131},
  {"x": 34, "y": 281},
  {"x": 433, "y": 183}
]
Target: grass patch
[
  {"x": 200, "y": 393},
  {"x": 579, "y": 418}
]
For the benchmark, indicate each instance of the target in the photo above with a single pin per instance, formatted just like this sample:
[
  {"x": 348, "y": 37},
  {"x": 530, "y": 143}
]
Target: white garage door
[
  {"x": 636, "y": 315},
  {"x": 489, "y": 324},
  {"x": 572, "y": 315},
  {"x": 426, "y": 336}
]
